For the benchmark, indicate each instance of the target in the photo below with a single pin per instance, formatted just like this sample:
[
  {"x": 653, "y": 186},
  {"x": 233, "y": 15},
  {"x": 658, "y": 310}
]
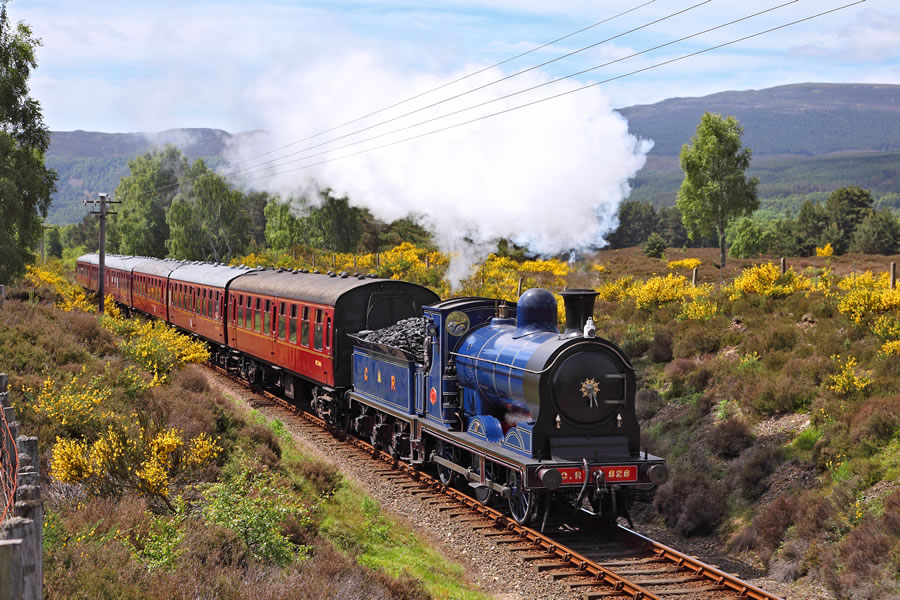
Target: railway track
[{"x": 619, "y": 563}]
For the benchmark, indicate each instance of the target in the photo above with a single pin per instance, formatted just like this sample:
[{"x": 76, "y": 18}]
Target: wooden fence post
[
  {"x": 354, "y": 262},
  {"x": 783, "y": 266},
  {"x": 2, "y": 294},
  {"x": 694, "y": 277},
  {"x": 893, "y": 275},
  {"x": 11, "y": 569},
  {"x": 427, "y": 262},
  {"x": 519, "y": 288},
  {"x": 21, "y": 566}
]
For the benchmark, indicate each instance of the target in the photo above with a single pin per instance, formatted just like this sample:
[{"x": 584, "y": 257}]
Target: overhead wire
[
  {"x": 421, "y": 94},
  {"x": 475, "y": 89},
  {"x": 457, "y": 80},
  {"x": 262, "y": 168},
  {"x": 566, "y": 93}
]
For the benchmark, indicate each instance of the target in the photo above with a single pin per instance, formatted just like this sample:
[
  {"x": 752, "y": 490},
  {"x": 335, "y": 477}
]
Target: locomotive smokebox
[{"x": 579, "y": 306}]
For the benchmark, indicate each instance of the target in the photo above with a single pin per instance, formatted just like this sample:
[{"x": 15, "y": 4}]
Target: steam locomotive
[{"x": 495, "y": 399}]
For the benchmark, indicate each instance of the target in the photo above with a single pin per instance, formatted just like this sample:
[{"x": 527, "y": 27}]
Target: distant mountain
[
  {"x": 807, "y": 139},
  {"x": 807, "y": 119}
]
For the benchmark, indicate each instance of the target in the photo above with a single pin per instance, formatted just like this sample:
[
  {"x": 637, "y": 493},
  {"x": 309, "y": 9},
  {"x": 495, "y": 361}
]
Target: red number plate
[{"x": 611, "y": 474}]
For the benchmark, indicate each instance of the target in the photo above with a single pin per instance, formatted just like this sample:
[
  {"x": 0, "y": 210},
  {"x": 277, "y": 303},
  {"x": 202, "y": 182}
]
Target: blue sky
[{"x": 149, "y": 66}]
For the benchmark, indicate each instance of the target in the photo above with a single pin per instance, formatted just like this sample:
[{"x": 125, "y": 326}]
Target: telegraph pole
[{"x": 102, "y": 203}]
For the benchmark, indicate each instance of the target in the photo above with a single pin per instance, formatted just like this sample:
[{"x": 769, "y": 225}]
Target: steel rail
[
  {"x": 699, "y": 567},
  {"x": 582, "y": 565}
]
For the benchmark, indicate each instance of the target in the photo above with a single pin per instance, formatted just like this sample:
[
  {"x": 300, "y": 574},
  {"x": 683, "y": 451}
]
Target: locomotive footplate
[{"x": 644, "y": 471}]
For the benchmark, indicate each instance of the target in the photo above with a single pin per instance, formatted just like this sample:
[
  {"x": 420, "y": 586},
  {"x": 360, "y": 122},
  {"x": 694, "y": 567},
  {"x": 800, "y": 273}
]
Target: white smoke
[{"x": 549, "y": 176}]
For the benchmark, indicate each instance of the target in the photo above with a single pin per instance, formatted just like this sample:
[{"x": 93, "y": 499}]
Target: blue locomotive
[{"x": 500, "y": 400}]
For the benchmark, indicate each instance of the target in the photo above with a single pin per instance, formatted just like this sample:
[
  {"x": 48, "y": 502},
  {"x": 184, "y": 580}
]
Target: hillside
[
  {"x": 806, "y": 138},
  {"x": 807, "y": 119}
]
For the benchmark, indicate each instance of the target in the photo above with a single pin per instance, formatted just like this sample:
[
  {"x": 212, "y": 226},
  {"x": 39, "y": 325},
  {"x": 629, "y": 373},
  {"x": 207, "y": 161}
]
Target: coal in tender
[{"x": 407, "y": 335}]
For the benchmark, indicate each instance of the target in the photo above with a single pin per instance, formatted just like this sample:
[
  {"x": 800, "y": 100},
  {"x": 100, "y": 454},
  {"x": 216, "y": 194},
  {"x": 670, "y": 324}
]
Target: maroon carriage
[
  {"x": 196, "y": 294},
  {"x": 291, "y": 327}
]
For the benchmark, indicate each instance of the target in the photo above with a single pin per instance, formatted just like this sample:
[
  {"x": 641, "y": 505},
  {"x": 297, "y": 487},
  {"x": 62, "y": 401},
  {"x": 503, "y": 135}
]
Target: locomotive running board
[{"x": 473, "y": 478}]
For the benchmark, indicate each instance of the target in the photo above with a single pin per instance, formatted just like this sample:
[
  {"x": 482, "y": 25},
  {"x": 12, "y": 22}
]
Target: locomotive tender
[{"x": 497, "y": 398}]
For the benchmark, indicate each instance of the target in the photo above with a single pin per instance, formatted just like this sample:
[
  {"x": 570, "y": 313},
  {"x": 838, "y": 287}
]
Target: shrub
[
  {"x": 729, "y": 438},
  {"x": 647, "y": 403},
  {"x": 192, "y": 379},
  {"x": 864, "y": 563},
  {"x": 781, "y": 337},
  {"x": 752, "y": 472},
  {"x": 766, "y": 280},
  {"x": 877, "y": 420},
  {"x": 783, "y": 393},
  {"x": 771, "y": 523},
  {"x": 324, "y": 477},
  {"x": 660, "y": 350},
  {"x": 691, "y": 503},
  {"x": 685, "y": 263},
  {"x": 695, "y": 339},
  {"x": 655, "y": 246},
  {"x": 255, "y": 508}
]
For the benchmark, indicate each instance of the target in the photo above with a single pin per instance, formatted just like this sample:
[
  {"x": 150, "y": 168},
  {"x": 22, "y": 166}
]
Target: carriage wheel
[{"x": 521, "y": 502}]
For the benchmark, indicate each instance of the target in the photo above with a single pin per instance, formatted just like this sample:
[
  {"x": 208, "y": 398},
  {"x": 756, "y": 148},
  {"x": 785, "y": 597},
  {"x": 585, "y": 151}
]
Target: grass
[{"x": 356, "y": 524}]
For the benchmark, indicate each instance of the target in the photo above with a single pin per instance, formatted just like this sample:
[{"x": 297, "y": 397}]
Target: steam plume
[{"x": 550, "y": 176}]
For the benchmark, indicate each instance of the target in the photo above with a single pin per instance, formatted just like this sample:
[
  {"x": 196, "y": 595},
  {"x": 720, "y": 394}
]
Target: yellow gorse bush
[
  {"x": 71, "y": 404},
  {"x": 405, "y": 261},
  {"x": 685, "y": 263},
  {"x": 699, "y": 309},
  {"x": 128, "y": 457},
  {"x": 659, "y": 291},
  {"x": 825, "y": 251},
  {"x": 616, "y": 291},
  {"x": 155, "y": 346},
  {"x": 766, "y": 280},
  {"x": 860, "y": 304},
  {"x": 891, "y": 348},
  {"x": 69, "y": 297},
  {"x": 846, "y": 381}
]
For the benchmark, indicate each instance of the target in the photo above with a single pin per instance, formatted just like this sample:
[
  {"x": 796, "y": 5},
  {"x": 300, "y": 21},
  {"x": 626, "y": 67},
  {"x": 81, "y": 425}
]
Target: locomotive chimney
[{"x": 579, "y": 307}]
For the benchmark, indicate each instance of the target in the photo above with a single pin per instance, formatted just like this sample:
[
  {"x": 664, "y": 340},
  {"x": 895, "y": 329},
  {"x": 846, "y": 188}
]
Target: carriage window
[
  {"x": 317, "y": 331},
  {"x": 293, "y": 324},
  {"x": 304, "y": 327},
  {"x": 328, "y": 332},
  {"x": 257, "y": 318},
  {"x": 248, "y": 315},
  {"x": 267, "y": 329},
  {"x": 281, "y": 320},
  {"x": 240, "y": 311}
]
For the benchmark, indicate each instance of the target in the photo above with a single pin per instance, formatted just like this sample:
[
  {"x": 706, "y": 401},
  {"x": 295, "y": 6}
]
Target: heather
[{"x": 158, "y": 486}]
